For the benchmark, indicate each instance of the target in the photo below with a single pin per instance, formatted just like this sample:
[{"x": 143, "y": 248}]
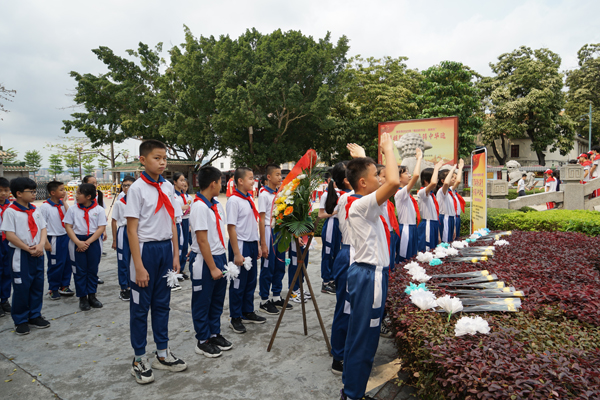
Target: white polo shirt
[
  {"x": 445, "y": 202},
  {"x": 54, "y": 224},
  {"x": 367, "y": 234},
  {"x": 75, "y": 216},
  {"x": 17, "y": 222},
  {"x": 188, "y": 201},
  {"x": 265, "y": 204},
  {"x": 597, "y": 164},
  {"x": 118, "y": 213},
  {"x": 324, "y": 199},
  {"x": 141, "y": 204},
  {"x": 407, "y": 215},
  {"x": 203, "y": 218},
  {"x": 521, "y": 185},
  {"x": 427, "y": 205},
  {"x": 341, "y": 216},
  {"x": 454, "y": 195},
  {"x": 240, "y": 214}
]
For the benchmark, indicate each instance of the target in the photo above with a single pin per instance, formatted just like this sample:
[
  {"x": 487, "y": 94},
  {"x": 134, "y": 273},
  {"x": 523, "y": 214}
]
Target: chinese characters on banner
[
  {"x": 440, "y": 133},
  {"x": 479, "y": 190}
]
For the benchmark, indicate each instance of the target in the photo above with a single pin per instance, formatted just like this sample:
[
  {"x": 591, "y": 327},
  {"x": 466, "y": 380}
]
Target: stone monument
[{"x": 407, "y": 148}]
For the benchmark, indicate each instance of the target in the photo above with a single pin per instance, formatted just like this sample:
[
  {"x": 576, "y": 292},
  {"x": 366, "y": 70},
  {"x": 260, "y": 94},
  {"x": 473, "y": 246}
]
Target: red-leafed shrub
[{"x": 550, "y": 349}]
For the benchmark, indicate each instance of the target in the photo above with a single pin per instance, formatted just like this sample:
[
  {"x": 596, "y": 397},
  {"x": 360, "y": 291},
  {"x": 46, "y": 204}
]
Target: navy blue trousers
[
  {"x": 409, "y": 241},
  {"x": 457, "y": 226},
  {"x": 5, "y": 271},
  {"x": 394, "y": 247},
  {"x": 85, "y": 266},
  {"x": 428, "y": 231},
  {"x": 294, "y": 266},
  {"x": 184, "y": 242},
  {"x": 341, "y": 316},
  {"x": 241, "y": 290},
  {"x": 157, "y": 258},
  {"x": 208, "y": 296},
  {"x": 447, "y": 228},
  {"x": 28, "y": 285},
  {"x": 332, "y": 243},
  {"x": 123, "y": 257},
  {"x": 59, "y": 269},
  {"x": 367, "y": 287},
  {"x": 272, "y": 270}
]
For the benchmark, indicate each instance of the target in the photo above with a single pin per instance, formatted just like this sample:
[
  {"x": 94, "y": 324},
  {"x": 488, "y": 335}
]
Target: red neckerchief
[
  {"x": 58, "y": 206},
  {"x": 163, "y": 199},
  {"x": 586, "y": 163},
  {"x": 461, "y": 201},
  {"x": 268, "y": 189},
  {"x": 416, "y": 206},
  {"x": 249, "y": 199},
  {"x": 3, "y": 207},
  {"x": 183, "y": 197},
  {"x": 454, "y": 200},
  {"x": 124, "y": 200},
  {"x": 33, "y": 228},
  {"x": 437, "y": 206},
  {"x": 86, "y": 213},
  {"x": 213, "y": 207},
  {"x": 352, "y": 199},
  {"x": 392, "y": 215}
]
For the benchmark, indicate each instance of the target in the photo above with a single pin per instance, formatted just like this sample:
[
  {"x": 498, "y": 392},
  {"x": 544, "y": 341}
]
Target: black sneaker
[
  {"x": 54, "y": 295},
  {"x": 237, "y": 325},
  {"x": 253, "y": 318},
  {"x": 125, "y": 295},
  {"x": 344, "y": 397},
  {"x": 337, "y": 367},
  {"x": 39, "y": 323},
  {"x": 100, "y": 281},
  {"x": 142, "y": 372},
  {"x": 2, "y": 313},
  {"x": 269, "y": 308},
  {"x": 185, "y": 276},
  {"x": 22, "y": 329},
  {"x": 180, "y": 278},
  {"x": 326, "y": 288},
  {"x": 94, "y": 302},
  {"x": 208, "y": 349},
  {"x": 385, "y": 331},
  {"x": 221, "y": 342},
  {"x": 6, "y": 307},
  {"x": 66, "y": 291},
  {"x": 333, "y": 285},
  {"x": 279, "y": 304},
  {"x": 169, "y": 363},
  {"x": 84, "y": 304}
]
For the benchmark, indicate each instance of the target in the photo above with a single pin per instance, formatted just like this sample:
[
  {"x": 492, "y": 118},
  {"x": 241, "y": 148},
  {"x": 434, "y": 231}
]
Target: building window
[
  {"x": 514, "y": 151},
  {"x": 222, "y": 165}
]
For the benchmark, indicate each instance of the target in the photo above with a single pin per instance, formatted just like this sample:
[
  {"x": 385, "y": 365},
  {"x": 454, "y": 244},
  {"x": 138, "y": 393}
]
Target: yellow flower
[
  {"x": 295, "y": 181},
  {"x": 281, "y": 207},
  {"x": 288, "y": 210},
  {"x": 281, "y": 199}
]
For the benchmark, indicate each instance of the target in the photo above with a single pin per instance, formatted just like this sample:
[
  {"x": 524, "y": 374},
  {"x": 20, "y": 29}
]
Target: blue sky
[{"x": 42, "y": 41}]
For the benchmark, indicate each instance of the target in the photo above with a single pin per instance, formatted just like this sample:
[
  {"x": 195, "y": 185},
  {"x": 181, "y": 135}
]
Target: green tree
[
  {"x": 75, "y": 148},
  {"x": 102, "y": 164},
  {"x": 87, "y": 161},
  {"x": 276, "y": 94},
  {"x": 73, "y": 165},
  {"x": 33, "y": 159},
  {"x": 584, "y": 88},
  {"x": 526, "y": 101},
  {"x": 447, "y": 90},
  {"x": 56, "y": 165},
  {"x": 12, "y": 157}
]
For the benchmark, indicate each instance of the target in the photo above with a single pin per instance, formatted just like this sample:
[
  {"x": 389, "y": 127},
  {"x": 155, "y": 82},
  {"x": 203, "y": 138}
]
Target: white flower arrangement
[
  {"x": 420, "y": 276},
  {"x": 471, "y": 326},
  {"x": 301, "y": 176},
  {"x": 248, "y": 263},
  {"x": 425, "y": 257},
  {"x": 450, "y": 304},
  {"x": 172, "y": 278},
  {"x": 501, "y": 242},
  {"x": 423, "y": 299},
  {"x": 232, "y": 271}
]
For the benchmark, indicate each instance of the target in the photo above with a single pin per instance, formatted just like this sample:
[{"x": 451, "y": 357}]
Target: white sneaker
[
  {"x": 169, "y": 363},
  {"x": 142, "y": 372},
  {"x": 296, "y": 298},
  {"x": 176, "y": 287}
]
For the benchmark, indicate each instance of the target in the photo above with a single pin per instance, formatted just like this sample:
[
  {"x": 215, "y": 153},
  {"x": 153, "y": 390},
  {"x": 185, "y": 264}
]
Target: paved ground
[{"x": 87, "y": 355}]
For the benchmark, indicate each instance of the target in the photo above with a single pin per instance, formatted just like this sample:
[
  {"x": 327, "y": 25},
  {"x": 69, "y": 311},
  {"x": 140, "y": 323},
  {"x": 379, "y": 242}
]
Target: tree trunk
[
  {"x": 115, "y": 175},
  {"x": 501, "y": 159},
  {"x": 541, "y": 158},
  {"x": 250, "y": 133}
]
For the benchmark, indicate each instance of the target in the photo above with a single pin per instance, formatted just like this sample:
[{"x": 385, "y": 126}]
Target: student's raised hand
[
  {"x": 141, "y": 277},
  {"x": 461, "y": 163},
  {"x": 356, "y": 150},
  {"x": 386, "y": 143},
  {"x": 419, "y": 153},
  {"x": 238, "y": 260},
  {"x": 439, "y": 164},
  {"x": 264, "y": 250},
  {"x": 216, "y": 273}
]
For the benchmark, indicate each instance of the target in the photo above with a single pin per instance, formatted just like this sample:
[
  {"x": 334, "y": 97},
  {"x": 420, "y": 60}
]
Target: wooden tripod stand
[{"x": 301, "y": 257}]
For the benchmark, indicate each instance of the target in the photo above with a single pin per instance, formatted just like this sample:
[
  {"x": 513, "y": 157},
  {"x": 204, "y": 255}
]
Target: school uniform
[
  {"x": 521, "y": 187},
  {"x": 409, "y": 218},
  {"x": 208, "y": 295},
  {"x": 155, "y": 214},
  {"x": 367, "y": 288},
  {"x": 388, "y": 212},
  {"x": 59, "y": 268},
  {"x": 242, "y": 213},
  {"x": 293, "y": 254},
  {"x": 550, "y": 187},
  {"x": 272, "y": 268},
  {"x": 179, "y": 228},
  {"x": 587, "y": 165},
  {"x": 459, "y": 208},
  {"x": 331, "y": 238},
  {"x": 447, "y": 214},
  {"x": 5, "y": 264},
  {"x": 27, "y": 271},
  {"x": 428, "y": 229},
  {"x": 85, "y": 222},
  {"x": 341, "y": 264},
  {"x": 182, "y": 199},
  {"x": 123, "y": 251},
  {"x": 596, "y": 173}
]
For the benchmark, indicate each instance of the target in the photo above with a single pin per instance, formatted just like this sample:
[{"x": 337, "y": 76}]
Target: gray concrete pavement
[{"x": 87, "y": 355}]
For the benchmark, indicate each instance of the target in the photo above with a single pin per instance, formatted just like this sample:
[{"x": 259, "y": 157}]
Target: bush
[
  {"x": 547, "y": 350},
  {"x": 319, "y": 222},
  {"x": 493, "y": 215},
  {"x": 586, "y": 222}
]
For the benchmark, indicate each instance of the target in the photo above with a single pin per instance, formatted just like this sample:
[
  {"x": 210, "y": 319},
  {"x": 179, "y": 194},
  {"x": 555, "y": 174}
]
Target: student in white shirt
[
  {"x": 409, "y": 216},
  {"x": 521, "y": 185},
  {"x": 154, "y": 251},
  {"x": 389, "y": 214},
  {"x": 5, "y": 265},
  {"x": 457, "y": 200},
  {"x": 207, "y": 264},
  {"x": 444, "y": 199},
  {"x": 550, "y": 186},
  {"x": 429, "y": 228},
  {"x": 368, "y": 274},
  {"x": 57, "y": 246},
  {"x": 25, "y": 230},
  {"x": 85, "y": 223},
  {"x": 242, "y": 227},
  {"x": 121, "y": 240},
  {"x": 185, "y": 203}
]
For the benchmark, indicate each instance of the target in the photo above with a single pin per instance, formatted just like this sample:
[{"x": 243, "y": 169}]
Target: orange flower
[{"x": 288, "y": 210}]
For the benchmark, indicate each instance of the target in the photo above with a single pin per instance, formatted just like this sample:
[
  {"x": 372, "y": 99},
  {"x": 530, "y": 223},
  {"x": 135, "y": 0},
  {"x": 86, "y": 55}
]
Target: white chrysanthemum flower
[
  {"x": 450, "y": 304},
  {"x": 420, "y": 276},
  {"x": 501, "y": 242},
  {"x": 471, "y": 326},
  {"x": 301, "y": 176},
  {"x": 424, "y": 257},
  {"x": 423, "y": 299}
]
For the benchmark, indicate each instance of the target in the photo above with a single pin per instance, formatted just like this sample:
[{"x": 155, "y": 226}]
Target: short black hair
[
  {"x": 442, "y": 177},
  {"x": 147, "y": 146},
  {"x": 356, "y": 169},
  {"x": 596, "y": 148},
  {"x": 523, "y": 175},
  {"x": 128, "y": 178},
  {"x": 87, "y": 189},
  {"x": 177, "y": 175},
  {"x": 240, "y": 172},
  {"x": 426, "y": 175},
  {"x": 207, "y": 175},
  {"x": 53, "y": 186},
  {"x": 270, "y": 168},
  {"x": 4, "y": 183},
  {"x": 86, "y": 178},
  {"x": 21, "y": 184}
]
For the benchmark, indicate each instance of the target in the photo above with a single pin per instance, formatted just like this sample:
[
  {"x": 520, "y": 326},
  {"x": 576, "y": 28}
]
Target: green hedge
[{"x": 319, "y": 224}]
